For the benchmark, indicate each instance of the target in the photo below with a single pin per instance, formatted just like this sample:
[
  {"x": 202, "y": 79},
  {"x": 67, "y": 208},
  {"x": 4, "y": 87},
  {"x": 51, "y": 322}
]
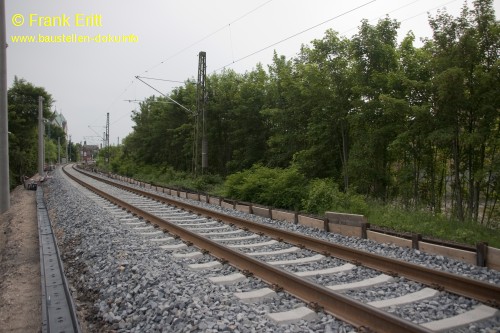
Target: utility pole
[
  {"x": 41, "y": 130},
  {"x": 201, "y": 103},
  {"x": 107, "y": 139},
  {"x": 58, "y": 150},
  {"x": 4, "y": 128}
]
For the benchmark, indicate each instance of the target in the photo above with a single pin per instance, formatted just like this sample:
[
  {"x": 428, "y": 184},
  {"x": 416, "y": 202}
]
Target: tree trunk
[
  {"x": 470, "y": 199},
  {"x": 477, "y": 183},
  {"x": 345, "y": 154},
  {"x": 457, "y": 185}
]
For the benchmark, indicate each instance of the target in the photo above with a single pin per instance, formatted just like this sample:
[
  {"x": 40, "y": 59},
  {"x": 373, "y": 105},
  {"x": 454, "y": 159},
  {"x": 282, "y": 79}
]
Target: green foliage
[
  {"x": 399, "y": 124},
  {"x": 23, "y": 120},
  {"x": 324, "y": 195},
  {"x": 275, "y": 187},
  {"x": 431, "y": 225},
  {"x": 207, "y": 182},
  {"x": 50, "y": 152}
]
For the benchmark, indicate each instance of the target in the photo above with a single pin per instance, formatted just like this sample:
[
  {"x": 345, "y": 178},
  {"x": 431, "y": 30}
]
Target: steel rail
[
  {"x": 487, "y": 293},
  {"x": 342, "y": 307}
]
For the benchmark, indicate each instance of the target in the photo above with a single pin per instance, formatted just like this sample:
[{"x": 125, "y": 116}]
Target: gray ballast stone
[
  {"x": 479, "y": 313},
  {"x": 130, "y": 285},
  {"x": 256, "y": 295},
  {"x": 292, "y": 316}
]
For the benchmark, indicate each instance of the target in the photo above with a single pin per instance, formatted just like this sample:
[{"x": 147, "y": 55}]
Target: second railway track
[{"x": 328, "y": 277}]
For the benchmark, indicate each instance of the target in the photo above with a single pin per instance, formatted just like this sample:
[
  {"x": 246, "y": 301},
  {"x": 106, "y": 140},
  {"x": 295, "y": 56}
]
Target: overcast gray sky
[{"x": 88, "y": 80}]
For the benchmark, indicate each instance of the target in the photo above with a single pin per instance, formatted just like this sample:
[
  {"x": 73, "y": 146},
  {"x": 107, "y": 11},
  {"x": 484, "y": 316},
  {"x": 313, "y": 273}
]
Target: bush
[
  {"x": 206, "y": 182},
  {"x": 282, "y": 188},
  {"x": 324, "y": 195}
]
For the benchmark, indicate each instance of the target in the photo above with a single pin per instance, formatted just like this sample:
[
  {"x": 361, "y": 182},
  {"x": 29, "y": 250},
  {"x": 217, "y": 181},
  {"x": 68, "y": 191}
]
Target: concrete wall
[
  {"x": 226, "y": 204},
  {"x": 243, "y": 208},
  {"x": 311, "y": 222},
  {"x": 283, "y": 216},
  {"x": 466, "y": 256},
  {"x": 493, "y": 260},
  {"x": 261, "y": 211},
  {"x": 193, "y": 196},
  {"x": 383, "y": 238}
]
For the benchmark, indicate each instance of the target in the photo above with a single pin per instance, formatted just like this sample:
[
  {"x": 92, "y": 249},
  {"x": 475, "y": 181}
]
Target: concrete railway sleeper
[{"x": 328, "y": 298}]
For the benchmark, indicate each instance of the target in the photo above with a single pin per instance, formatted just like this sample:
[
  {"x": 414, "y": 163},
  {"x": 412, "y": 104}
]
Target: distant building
[
  {"x": 60, "y": 121},
  {"x": 89, "y": 153}
]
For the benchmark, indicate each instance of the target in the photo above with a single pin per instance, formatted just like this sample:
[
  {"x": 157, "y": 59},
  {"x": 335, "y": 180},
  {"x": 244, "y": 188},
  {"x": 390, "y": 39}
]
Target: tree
[
  {"x": 374, "y": 128},
  {"x": 466, "y": 63},
  {"x": 23, "y": 123},
  {"x": 287, "y": 113},
  {"x": 327, "y": 72}
]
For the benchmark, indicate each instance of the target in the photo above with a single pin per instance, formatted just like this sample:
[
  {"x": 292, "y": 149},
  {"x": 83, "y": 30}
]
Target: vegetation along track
[{"x": 191, "y": 228}]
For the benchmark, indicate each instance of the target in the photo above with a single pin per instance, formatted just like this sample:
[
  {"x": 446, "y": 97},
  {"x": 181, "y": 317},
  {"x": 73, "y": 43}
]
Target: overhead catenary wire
[
  {"x": 208, "y": 36},
  {"x": 176, "y": 54},
  {"x": 427, "y": 11},
  {"x": 158, "y": 79},
  {"x": 408, "y": 18},
  {"x": 115, "y": 100},
  {"x": 164, "y": 95},
  {"x": 235, "y": 61},
  {"x": 296, "y": 34},
  {"x": 267, "y": 47}
]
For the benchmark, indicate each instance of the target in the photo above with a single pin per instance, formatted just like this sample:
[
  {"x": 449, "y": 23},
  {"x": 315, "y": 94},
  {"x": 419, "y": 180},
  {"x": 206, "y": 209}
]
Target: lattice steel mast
[{"x": 201, "y": 108}]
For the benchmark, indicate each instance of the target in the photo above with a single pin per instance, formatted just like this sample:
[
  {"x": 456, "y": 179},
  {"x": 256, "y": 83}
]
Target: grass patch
[{"x": 429, "y": 225}]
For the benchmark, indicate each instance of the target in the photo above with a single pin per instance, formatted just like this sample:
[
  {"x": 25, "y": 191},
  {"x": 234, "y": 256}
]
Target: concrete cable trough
[{"x": 58, "y": 309}]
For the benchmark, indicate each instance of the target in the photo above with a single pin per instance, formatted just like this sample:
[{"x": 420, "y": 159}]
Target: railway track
[{"x": 324, "y": 275}]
